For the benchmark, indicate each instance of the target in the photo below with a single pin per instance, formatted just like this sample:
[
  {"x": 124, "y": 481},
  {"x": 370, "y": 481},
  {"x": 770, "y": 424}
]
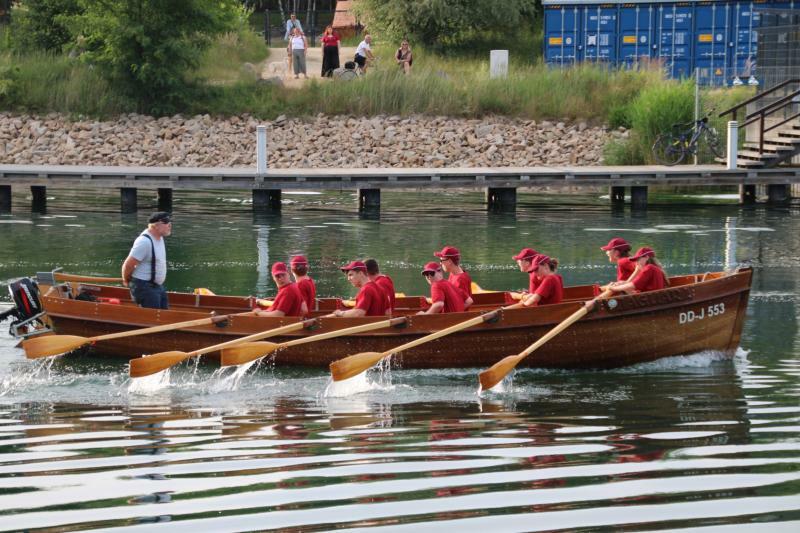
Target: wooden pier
[{"x": 500, "y": 184}]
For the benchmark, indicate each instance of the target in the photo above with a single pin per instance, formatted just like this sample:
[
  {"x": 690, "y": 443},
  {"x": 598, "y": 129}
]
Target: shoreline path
[{"x": 276, "y": 66}]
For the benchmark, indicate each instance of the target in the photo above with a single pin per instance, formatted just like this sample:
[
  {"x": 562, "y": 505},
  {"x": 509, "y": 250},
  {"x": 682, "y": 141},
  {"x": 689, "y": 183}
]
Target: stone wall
[{"x": 320, "y": 142}]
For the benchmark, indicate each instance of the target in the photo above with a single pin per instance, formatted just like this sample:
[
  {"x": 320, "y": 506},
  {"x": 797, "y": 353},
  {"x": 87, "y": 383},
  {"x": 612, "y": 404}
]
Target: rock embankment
[{"x": 320, "y": 142}]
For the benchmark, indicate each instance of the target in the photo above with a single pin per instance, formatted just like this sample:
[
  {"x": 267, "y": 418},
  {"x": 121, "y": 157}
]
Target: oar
[
  {"x": 355, "y": 364},
  {"x": 151, "y": 364},
  {"x": 495, "y": 374},
  {"x": 60, "y": 276},
  {"x": 250, "y": 351},
  {"x": 48, "y": 345}
]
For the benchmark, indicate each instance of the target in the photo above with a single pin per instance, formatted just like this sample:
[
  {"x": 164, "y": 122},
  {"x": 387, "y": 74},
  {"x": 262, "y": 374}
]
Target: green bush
[{"x": 42, "y": 24}]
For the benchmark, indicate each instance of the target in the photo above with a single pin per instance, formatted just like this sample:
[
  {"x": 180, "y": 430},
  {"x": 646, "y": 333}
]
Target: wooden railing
[{"x": 761, "y": 114}]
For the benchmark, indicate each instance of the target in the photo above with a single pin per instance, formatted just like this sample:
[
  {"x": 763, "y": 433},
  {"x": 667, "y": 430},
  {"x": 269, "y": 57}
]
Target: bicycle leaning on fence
[{"x": 682, "y": 140}]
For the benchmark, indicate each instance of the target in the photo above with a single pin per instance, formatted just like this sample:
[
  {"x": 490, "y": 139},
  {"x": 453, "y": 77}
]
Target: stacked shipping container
[{"x": 718, "y": 37}]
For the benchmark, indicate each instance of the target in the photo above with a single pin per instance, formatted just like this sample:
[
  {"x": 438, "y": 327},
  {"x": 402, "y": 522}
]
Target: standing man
[
  {"x": 445, "y": 297},
  {"x": 291, "y": 24},
  {"x": 370, "y": 300},
  {"x": 304, "y": 282},
  {"x": 288, "y": 301},
  {"x": 450, "y": 258},
  {"x": 145, "y": 268},
  {"x": 383, "y": 281},
  {"x": 364, "y": 52}
]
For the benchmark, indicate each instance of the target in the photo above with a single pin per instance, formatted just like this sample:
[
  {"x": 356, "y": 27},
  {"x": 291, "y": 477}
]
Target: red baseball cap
[
  {"x": 354, "y": 265},
  {"x": 525, "y": 254},
  {"x": 431, "y": 266},
  {"x": 644, "y": 251},
  {"x": 448, "y": 251},
  {"x": 298, "y": 260},
  {"x": 617, "y": 243},
  {"x": 279, "y": 268},
  {"x": 538, "y": 261}
]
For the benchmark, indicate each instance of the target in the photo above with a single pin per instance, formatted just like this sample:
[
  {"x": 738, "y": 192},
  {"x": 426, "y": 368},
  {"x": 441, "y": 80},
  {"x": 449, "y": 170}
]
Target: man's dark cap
[{"x": 160, "y": 216}]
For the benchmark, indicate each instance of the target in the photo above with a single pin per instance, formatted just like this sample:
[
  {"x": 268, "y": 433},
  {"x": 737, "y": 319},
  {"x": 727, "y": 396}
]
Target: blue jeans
[{"x": 148, "y": 294}]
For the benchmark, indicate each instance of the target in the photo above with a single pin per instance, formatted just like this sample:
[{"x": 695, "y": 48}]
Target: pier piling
[
  {"x": 369, "y": 200},
  {"x": 165, "y": 200},
  {"x": 267, "y": 200},
  {"x": 747, "y": 194},
  {"x": 501, "y": 199},
  {"x": 5, "y": 198},
  {"x": 617, "y": 195},
  {"x": 638, "y": 197},
  {"x": 778, "y": 194},
  {"x": 127, "y": 197},
  {"x": 38, "y": 198}
]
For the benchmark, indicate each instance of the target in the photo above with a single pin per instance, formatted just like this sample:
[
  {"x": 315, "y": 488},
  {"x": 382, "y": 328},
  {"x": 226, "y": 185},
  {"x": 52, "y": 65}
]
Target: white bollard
[
  {"x": 498, "y": 63},
  {"x": 261, "y": 150},
  {"x": 733, "y": 144}
]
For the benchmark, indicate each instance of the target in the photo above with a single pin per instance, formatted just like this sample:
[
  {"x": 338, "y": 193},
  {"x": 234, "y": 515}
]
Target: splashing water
[
  {"x": 23, "y": 377},
  {"x": 148, "y": 384},
  {"x": 223, "y": 380}
]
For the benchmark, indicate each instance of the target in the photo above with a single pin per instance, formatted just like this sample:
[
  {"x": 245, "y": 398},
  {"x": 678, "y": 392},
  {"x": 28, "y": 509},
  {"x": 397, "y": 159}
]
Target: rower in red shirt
[
  {"x": 445, "y": 296},
  {"x": 524, "y": 260},
  {"x": 371, "y": 301},
  {"x": 308, "y": 288},
  {"x": 289, "y": 301},
  {"x": 384, "y": 282},
  {"x": 651, "y": 276},
  {"x": 617, "y": 251},
  {"x": 550, "y": 289},
  {"x": 450, "y": 257}
]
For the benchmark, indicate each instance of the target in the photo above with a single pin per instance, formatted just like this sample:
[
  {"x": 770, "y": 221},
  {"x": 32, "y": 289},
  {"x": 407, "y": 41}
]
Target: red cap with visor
[
  {"x": 354, "y": 265},
  {"x": 431, "y": 267},
  {"x": 526, "y": 254},
  {"x": 448, "y": 251},
  {"x": 617, "y": 243},
  {"x": 644, "y": 251},
  {"x": 279, "y": 268}
]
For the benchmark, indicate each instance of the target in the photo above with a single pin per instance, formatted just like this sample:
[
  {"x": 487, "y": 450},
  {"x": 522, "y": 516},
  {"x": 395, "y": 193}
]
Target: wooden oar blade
[
  {"x": 246, "y": 352},
  {"x": 498, "y": 371},
  {"x": 152, "y": 364},
  {"x": 353, "y": 365},
  {"x": 49, "y": 345}
]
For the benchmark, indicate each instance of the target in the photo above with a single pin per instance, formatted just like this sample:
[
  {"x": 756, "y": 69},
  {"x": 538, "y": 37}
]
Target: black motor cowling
[{"x": 25, "y": 293}]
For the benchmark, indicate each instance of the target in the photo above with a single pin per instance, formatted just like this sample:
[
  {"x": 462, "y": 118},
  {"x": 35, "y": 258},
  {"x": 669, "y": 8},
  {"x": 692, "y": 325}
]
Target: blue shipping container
[{"x": 719, "y": 38}]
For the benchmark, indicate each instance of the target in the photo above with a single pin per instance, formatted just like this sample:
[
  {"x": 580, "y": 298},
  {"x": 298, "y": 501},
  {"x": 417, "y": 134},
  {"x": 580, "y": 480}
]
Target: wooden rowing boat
[{"x": 696, "y": 313}]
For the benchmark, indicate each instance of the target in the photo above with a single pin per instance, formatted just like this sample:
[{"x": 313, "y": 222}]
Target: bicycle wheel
[
  {"x": 713, "y": 142},
  {"x": 668, "y": 149}
]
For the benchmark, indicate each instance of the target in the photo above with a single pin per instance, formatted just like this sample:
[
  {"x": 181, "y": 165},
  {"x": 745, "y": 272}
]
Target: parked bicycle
[{"x": 682, "y": 140}]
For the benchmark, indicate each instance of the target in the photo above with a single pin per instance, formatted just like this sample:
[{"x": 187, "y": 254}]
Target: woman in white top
[{"x": 298, "y": 46}]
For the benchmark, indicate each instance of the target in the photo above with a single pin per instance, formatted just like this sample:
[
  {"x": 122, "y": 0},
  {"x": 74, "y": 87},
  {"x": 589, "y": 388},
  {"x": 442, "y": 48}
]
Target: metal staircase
[{"x": 777, "y": 139}]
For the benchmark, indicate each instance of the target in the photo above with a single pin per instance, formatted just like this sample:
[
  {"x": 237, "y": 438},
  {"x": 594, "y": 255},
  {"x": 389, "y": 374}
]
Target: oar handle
[
  {"x": 167, "y": 327},
  {"x": 346, "y": 331},
  {"x": 443, "y": 332},
  {"x": 60, "y": 276},
  {"x": 296, "y": 326}
]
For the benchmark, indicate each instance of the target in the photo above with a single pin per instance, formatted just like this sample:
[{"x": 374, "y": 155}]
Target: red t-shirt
[
  {"x": 309, "y": 292},
  {"x": 453, "y": 298},
  {"x": 625, "y": 268},
  {"x": 533, "y": 283},
  {"x": 650, "y": 278},
  {"x": 330, "y": 40},
  {"x": 371, "y": 299},
  {"x": 387, "y": 286},
  {"x": 463, "y": 282},
  {"x": 289, "y": 300},
  {"x": 551, "y": 289}
]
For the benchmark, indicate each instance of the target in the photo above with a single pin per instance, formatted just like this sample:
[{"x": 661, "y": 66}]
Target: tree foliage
[
  {"x": 42, "y": 24},
  {"x": 443, "y": 23},
  {"x": 147, "y": 47}
]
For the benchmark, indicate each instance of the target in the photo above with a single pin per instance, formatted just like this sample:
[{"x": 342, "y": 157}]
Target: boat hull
[{"x": 683, "y": 319}]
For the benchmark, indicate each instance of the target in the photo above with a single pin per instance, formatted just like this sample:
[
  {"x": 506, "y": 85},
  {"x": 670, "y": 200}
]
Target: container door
[
  {"x": 744, "y": 40},
  {"x": 600, "y": 33},
  {"x": 635, "y": 33},
  {"x": 711, "y": 43},
  {"x": 674, "y": 29},
  {"x": 562, "y": 30}
]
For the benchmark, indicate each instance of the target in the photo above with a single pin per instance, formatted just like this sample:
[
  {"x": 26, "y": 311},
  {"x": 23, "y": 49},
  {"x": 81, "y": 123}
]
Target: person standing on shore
[
  {"x": 445, "y": 297},
  {"x": 330, "y": 52},
  {"x": 299, "y": 48},
  {"x": 383, "y": 281},
  {"x": 145, "y": 268},
  {"x": 308, "y": 288},
  {"x": 291, "y": 24},
  {"x": 370, "y": 300},
  {"x": 450, "y": 257},
  {"x": 288, "y": 301}
]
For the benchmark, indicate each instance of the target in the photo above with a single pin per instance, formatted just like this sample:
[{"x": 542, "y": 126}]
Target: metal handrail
[{"x": 760, "y": 115}]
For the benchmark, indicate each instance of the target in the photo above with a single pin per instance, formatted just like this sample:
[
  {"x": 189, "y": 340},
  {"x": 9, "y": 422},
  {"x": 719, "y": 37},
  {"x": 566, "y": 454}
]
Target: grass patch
[{"x": 223, "y": 61}]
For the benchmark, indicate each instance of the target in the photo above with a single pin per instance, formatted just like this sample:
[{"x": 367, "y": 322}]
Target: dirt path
[{"x": 276, "y": 64}]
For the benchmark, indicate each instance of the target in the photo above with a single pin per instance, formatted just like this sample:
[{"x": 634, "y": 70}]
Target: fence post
[
  {"x": 267, "y": 36},
  {"x": 733, "y": 144},
  {"x": 261, "y": 150},
  {"x": 696, "y": 101}
]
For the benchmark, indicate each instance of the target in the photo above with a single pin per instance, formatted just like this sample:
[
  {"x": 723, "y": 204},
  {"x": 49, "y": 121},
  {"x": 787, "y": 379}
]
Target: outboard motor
[{"x": 27, "y": 311}]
